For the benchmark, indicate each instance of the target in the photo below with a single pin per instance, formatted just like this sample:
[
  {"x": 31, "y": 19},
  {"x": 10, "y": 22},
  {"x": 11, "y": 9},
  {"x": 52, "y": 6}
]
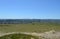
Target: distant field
[
  {"x": 30, "y": 27},
  {"x": 37, "y": 27}
]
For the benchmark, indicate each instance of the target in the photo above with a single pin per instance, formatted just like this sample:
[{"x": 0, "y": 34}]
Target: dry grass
[{"x": 37, "y": 27}]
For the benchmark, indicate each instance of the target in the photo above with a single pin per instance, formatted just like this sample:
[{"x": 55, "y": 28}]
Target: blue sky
[{"x": 29, "y": 9}]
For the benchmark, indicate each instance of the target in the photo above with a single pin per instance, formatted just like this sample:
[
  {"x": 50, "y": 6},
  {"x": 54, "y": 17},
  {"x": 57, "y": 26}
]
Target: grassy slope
[
  {"x": 17, "y": 36},
  {"x": 32, "y": 27}
]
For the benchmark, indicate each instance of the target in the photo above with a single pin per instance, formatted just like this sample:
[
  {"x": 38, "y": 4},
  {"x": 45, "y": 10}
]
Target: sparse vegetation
[{"x": 37, "y": 27}]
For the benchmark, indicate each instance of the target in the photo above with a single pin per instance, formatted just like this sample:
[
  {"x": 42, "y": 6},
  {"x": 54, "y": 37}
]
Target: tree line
[{"x": 19, "y": 21}]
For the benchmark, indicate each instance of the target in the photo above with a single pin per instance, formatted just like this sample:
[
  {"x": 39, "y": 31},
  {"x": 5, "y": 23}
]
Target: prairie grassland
[{"x": 31, "y": 27}]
